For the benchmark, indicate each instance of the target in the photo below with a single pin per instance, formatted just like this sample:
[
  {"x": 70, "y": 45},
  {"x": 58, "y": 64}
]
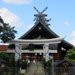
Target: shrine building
[{"x": 40, "y": 41}]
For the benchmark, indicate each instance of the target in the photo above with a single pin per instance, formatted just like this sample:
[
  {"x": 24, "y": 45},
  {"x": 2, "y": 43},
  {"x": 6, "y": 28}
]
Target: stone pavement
[{"x": 35, "y": 69}]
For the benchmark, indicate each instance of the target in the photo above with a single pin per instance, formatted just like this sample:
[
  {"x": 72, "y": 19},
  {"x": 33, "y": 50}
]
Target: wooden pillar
[
  {"x": 20, "y": 48},
  {"x": 59, "y": 51},
  {"x": 46, "y": 54},
  {"x": 17, "y": 52},
  {"x": 17, "y": 57}
]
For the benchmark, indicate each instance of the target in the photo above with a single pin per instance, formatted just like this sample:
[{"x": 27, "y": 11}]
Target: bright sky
[{"x": 20, "y": 13}]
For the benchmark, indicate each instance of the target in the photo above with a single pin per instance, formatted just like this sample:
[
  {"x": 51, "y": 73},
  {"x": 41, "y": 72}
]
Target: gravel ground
[{"x": 35, "y": 69}]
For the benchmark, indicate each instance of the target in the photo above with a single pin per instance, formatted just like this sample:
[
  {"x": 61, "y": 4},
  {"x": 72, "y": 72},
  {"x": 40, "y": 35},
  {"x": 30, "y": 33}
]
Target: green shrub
[
  {"x": 24, "y": 64},
  {"x": 47, "y": 66},
  {"x": 71, "y": 54}
]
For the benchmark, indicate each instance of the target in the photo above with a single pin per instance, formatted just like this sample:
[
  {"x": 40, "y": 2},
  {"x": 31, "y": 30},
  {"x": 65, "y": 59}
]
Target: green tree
[
  {"x": 6, "y": 31},
  {"x": 47, "y": 65},
  {"x": 9, "y": 62},
  {"x": 9, "y": 59},
  {"x": 4, "y": 56},
  {"x": 23, "y": 64},
  {"x": 71, "y": 54}
]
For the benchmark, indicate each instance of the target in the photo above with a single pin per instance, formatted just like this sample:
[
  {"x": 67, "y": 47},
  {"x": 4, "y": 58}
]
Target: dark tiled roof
[
  {"x": 63, "y": 61},
  {"x": 53, "y": 34}
]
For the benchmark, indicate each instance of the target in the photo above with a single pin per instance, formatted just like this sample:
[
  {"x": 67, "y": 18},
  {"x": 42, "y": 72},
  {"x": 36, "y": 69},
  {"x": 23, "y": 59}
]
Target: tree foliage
[
  {"x": 4, "y": 56},
  {"x": 47, "y": 65},
  {"x": 23, "y": 64},
  {"x": 71, "y": 54},
  {"x": 6, "y": 31},
  {"x": 9, "y": 59}
]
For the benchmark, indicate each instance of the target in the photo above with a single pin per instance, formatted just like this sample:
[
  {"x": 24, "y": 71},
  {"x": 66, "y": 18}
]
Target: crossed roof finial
[
  {"x": 40, "y": 16},
  {"x": 41, "y": 11}
]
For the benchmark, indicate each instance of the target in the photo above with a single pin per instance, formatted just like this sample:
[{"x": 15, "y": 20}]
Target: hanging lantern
[
  {"x": 35, "y": 53},
  {"x": 40, "y": 53}
]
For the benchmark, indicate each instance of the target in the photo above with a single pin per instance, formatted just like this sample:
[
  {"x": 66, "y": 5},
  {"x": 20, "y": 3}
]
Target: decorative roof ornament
[{"x": 41, "y": 17}]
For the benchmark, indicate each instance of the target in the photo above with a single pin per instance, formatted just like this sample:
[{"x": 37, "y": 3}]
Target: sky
[{"x": 20, "y": 13}]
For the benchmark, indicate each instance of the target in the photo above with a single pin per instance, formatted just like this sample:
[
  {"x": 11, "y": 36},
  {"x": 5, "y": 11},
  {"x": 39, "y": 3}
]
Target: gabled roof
[
  {"x": 53, "y": 34},
  {"x": 42, "y": 21},
  {"x": 46, "y": 28},
  {"x": 64, "y": 61}
]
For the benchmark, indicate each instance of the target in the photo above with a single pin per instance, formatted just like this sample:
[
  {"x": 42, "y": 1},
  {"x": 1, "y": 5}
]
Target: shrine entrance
[{"x": 32, "y": 56}]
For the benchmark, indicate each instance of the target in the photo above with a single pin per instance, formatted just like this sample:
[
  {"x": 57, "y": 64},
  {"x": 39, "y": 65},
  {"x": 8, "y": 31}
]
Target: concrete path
[{"x": 35, "y": 69}]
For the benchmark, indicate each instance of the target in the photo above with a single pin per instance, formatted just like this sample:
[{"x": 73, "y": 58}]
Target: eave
[{"x": 66, "y": 44}]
